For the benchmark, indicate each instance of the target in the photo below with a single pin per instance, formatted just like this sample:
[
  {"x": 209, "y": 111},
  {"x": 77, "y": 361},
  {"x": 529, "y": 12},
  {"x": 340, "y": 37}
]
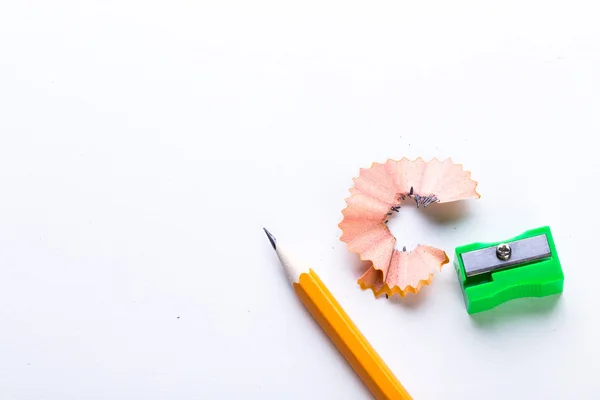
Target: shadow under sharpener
[{"x": 493, "y": 273}]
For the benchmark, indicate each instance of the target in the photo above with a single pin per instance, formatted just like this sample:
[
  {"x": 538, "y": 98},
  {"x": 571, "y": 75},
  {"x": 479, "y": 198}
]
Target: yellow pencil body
[{"x": 375, "y": 374}]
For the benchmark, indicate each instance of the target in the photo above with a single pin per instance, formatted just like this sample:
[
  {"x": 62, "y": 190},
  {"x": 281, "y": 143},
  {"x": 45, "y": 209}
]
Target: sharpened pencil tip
[{"x": 271, "y": 238}]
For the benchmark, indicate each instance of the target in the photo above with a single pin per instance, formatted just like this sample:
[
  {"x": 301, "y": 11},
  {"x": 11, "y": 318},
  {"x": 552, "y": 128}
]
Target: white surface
[{"x": 144, "y": 145}]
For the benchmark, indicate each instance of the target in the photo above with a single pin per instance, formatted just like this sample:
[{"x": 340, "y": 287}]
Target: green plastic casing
[{"x": 538, "y": 278}]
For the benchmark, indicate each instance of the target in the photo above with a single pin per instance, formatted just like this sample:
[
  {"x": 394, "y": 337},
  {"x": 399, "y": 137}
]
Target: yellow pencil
[{"x": 315, "y": 296}]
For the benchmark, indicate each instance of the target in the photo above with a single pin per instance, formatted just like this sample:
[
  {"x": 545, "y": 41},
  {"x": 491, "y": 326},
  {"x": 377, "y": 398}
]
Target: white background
[{"x": 144, "y": 145}]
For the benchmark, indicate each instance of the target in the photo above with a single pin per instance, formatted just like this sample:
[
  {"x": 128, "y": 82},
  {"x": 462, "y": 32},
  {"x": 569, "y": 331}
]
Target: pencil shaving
[
  {"x": 379, "y": 192},
  {"x": 407, "y": 273}
]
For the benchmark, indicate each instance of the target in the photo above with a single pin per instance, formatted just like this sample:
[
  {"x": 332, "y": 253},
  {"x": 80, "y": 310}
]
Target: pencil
[{"x": 332, "y": 318}]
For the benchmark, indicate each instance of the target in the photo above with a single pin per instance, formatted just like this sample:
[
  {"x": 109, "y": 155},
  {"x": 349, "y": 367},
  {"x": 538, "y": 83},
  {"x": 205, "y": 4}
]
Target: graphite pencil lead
[{"x": 271, "y": 238}]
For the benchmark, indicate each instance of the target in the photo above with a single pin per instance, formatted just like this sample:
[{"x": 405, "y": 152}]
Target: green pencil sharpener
[{"x": 493, "y": 273}]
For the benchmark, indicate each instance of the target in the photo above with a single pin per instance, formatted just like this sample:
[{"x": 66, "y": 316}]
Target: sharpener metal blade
[{"x": 485, "y": 260}]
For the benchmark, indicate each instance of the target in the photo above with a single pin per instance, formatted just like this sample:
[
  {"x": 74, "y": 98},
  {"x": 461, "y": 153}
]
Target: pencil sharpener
[{"x": 493, "y": 273}]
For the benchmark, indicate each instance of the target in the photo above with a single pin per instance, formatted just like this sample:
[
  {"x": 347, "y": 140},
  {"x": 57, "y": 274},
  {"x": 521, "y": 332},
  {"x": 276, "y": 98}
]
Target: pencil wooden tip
[{"x": 271, "y": 238}]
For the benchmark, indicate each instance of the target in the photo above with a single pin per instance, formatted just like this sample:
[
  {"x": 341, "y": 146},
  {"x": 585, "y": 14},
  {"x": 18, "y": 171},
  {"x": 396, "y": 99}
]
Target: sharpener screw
[{"x": 503, "y": 251}]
